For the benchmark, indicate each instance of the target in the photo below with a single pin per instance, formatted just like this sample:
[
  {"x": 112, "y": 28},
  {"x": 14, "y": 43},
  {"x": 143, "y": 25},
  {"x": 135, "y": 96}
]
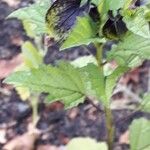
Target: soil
[{"x": 84, "y": 120}]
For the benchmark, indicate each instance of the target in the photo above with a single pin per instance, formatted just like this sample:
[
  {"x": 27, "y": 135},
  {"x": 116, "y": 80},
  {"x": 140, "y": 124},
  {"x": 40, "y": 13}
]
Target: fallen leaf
[{"x": 25, "y": 141}]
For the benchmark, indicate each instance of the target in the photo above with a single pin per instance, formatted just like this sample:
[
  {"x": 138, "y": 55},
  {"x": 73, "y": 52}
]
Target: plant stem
[
  {"x": 99, "y": 55},
  {"x": 110, "y": 128},
  {"x": 108, "y": 112},
  {"x": 34, "y": 103}
]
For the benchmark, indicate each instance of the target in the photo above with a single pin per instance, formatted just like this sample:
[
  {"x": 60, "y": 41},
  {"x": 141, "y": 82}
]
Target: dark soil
[
  {"x": 84, "y": 120},
  {"x": 10, "y": 30}
]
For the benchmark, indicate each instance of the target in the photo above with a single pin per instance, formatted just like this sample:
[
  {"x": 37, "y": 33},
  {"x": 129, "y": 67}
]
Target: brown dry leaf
[
  {"x": 25, "y": 141},
  {"x": 8, "y": 66},
  {"x": 124, "y": 138}
]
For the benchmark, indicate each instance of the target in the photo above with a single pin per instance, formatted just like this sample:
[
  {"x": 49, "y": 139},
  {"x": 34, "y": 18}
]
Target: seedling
[{"x": 75, "y": 23}]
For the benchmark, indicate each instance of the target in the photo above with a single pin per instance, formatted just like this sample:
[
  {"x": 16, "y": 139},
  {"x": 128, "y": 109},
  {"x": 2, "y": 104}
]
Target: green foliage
[
  {"x": 85, "y": 144},
  {"x": 115, "y": 4},
  {"x": 140, "y": 134},
  {"x": 32, "y": 57},
  {"x": 131, "y": 50},
  {"x": 84, "y": 61},
  {"x": 111, "y": 81},
  {"x": 84, "y": 32},
  {"x": 96, "y": 2},
  {"x": 65, "y": 82},
  {"x": 145, "y": 105},
  {"x": 71, "y": 23},
  {"x": 94, "y": 82},
  {"x": 106, "y": 5},
  {"x": 33, "y": 17},
  {"x": 137, "y": 23},
  {"x": 62, "y": 83}
]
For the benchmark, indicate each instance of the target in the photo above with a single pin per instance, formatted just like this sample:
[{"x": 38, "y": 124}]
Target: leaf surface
[{"x": 140, "y": 134}]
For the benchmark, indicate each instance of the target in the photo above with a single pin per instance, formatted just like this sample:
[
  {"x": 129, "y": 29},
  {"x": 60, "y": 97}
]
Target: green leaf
[
  {"x": 147, "y": 2},
  {"x": 103, "y": 8},
  {"x": 85, "y": 144},
  {"x": 65, "y": 82},
  {"x": 33, "y": 17},
  {"x": 96, "y": 2},
  {"x": 147, "y": 15},
  {"x": 83, "y": 33},
  {"x": 127, "y": 4},
  {"x": 116, "y": 4},
  {"x": 140, "y": 134},
  {"x": 137, "y": 23},
  {"x": 145, "y": 105},
  {"x": 32, "y": 57},
  {"x": 94, "y": 82},
  {"x": 113, "y": 5},
  {"x": 111, "y": 81},
  {"x": 84, "y": 61},
  {"x": 130, "y": 51},
  {"x": 62, "y": 83},
  {"x": 83, "y": 2}
]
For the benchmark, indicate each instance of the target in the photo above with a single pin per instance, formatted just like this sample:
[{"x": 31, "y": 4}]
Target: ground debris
[{"x": 25, "y": 141}]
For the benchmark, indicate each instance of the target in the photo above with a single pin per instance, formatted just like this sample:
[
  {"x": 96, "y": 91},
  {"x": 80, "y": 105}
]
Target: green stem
[
  {"x": 110, "y": 128},
  {"x": 99, "y": 55},
  {"x": 108, "y": 112},
  {"x": 34, "y": 103}
]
